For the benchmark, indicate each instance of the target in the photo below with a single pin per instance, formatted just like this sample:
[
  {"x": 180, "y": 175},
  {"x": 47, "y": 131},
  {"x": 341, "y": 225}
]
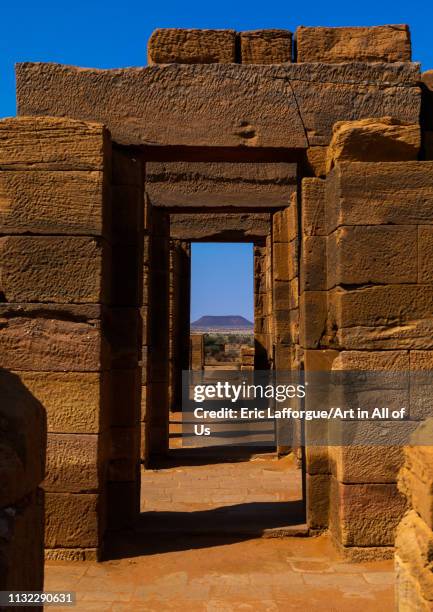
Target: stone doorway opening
[{"x": 213, "y": 489}]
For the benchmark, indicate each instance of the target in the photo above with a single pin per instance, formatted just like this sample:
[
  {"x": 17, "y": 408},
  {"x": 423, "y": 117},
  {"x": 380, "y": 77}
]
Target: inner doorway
[{"x": 222, "y": 489}]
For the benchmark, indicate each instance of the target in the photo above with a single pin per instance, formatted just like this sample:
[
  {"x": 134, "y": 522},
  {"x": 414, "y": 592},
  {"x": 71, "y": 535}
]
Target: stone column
[
  {"x": 22, "y": 466},
  {"x": 128, "y": 246},
  {"x": 54, "y": 221},
  {"x": 414, "y": 538},
  {"x": 157, "y": 418},
  {"x": 197, "y": 352},
  {"x": 380, "y": 300},
  {"x": 285, "y": 285},
  {"x": 180, "y": 271}
]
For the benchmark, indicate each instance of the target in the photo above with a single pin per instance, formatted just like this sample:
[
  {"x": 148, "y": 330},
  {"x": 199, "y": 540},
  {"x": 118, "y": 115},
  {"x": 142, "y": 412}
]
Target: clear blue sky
[
  {"x": 222, "y": 279},
  {"x": 111, "y": 34}
]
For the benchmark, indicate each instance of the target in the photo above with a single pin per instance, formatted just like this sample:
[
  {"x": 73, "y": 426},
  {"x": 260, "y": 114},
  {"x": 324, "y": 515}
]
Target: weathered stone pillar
[
  {"x": 197, "y": 352},
  {"x": 380, "y": 300},
  {"x": 127, "y": 262},
  {"x": 414, "y": 538},
  {"x": 22, "y": 468},
  {"x": 313, "y": 301},
  {"x": 54, "y": 184},
  {"x": 285, "y": 285},
  {"x": 180, "y": 272},
  {"x": 262, "y": 337},
  {"x": 157, "y": 418}
]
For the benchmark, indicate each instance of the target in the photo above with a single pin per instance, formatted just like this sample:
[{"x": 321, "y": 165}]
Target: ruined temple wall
[
  {"x": 284, "y": 284},
  {"x": 388, "y": 43},
  {"x": 128, "y": 291},
  {"x": 179, "y": 318},
  {"x": 55, "y": 288},
  {"x": 22, "y": 467},
  {"x": 373, "y": 315},
  {"x": 69, "y": 228},
  {"x": 414, "y": 539}
]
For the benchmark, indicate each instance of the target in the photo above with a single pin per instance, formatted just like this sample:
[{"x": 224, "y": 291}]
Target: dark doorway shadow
[
  {"x": 162, "y": 532},
  {"x": 206, "y": 455}
]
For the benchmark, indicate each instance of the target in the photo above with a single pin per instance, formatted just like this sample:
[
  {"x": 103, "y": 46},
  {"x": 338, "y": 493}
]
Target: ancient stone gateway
[{"x": 107, "y": 176}]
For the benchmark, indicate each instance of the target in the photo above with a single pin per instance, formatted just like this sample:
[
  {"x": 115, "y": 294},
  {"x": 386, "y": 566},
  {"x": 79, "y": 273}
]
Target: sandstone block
[
  {"x": 285, "y": 222},
  {"x": 285, "y": 260},
  {"x": 208, "y": 184},
  {"x": 313, "y": 316},
  {"x": 360, "y": 193},
  {"x": 320, "y": 360},
  {"x": 208, "y": 226},
  {"x": 373, "y": 361},
  {"x": 183, "y": 46},
  {"x": 407, "y": 592},
  {"x": 282, "y": 327},
  {"x": 72, "y": 520},
  {"x": 73, "y": 463},
  {"x": 205, "y": 112},
  {"x": 33, "y": 338},
  {"x": 283, "y": 357},
  {"x": 74, "y": 402},
  {"x": 382, "y": 317},
  {"x": 313, "y": 263},
  {"x": 365, "y": 514},
  {"x": 316, "y": 160},
  {"x": 286, "y": 295},
  {"x": 318, "y": 490},
  {"x": 414, "y": 549},
  {"x": 279, "y": 104},
  {"x": 416, "y": 481},
  {"x": 350, "y": 93},
  {"x": 52, "y": 269},
  {"x": 425, "y": 254},
  {"x": 361, "y": 255},
  {"x": 313, "y": 207},
  {"x": 42, "y": 202},
  {"x": 362, "y": 464},
  {"x": 266, "y": 46},
  {"x": 373, "y": 140},
  {"x": 388, "y": 43},
  {"x": 53, "y": 143},
  {"x": 421, "y": 387},
  {"x": 317, "y": 459},
  {"x": 22, "y": 440}
]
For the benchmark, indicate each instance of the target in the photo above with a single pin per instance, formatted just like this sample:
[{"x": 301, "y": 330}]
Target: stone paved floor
[
  {"x": 197, "y": 547},
  {"x": 256, "y": 575},
  {"x": 201, "y": 493}
]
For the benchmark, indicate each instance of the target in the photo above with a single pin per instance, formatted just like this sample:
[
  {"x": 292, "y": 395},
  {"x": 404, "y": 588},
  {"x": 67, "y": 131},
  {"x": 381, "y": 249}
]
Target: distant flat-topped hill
[{"x": 222, "y": 322}]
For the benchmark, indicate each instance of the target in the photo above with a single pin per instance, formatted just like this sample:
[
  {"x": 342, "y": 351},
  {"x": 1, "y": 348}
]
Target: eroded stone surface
[
  {"x": 26, "y": 202},
  {"x": 266, "y": 46},
  {"x": 207, "y": 184},
  {"x": 193, "y": 226},
  {"x": 52, "y": 143},
  {"x": 52, "y": 269},
  {"x": 384, "y": 139},
  {"x": 188, "y": 46},
  {"x": 222, "y": 105},
  {"x": 388, "y": 43}
]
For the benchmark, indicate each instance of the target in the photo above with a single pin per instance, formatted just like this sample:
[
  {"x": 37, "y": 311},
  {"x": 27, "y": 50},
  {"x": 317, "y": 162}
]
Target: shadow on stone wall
[{"x": 23, "y": 434}]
